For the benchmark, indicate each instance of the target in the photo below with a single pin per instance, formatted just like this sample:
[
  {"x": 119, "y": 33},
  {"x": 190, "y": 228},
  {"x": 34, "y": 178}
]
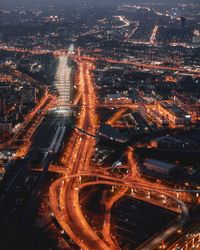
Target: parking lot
[{"x": 135, "y": 221}]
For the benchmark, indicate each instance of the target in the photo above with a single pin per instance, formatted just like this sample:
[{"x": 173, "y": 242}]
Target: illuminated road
[
  {"x": 77, "y": 158},
  {"x": 28, "y": 133},
  {"x": 190, "y": 240},
  {"x": 161, "y": 236},
  {"x": 154, "y": 34},
  {"x": 130, "y": 35},
  {"x": 116, "y": 117},
  {"x": 100, "y": 179},
  {"x": 122, "y": 19},
  {"x": 26, "y": 129},
  {"x": 59, "y": 116},
  {"x": 142, "y": 65},
  {"x": 64, "y": 192},
  {"x": 21, "y": 50}
]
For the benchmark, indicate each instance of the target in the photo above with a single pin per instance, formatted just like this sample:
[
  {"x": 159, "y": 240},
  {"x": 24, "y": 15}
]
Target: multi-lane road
[
  {"x": 143, "y": 65},
  {"x": 64, "y": 192},
  {"x": 65, "y": 203}
]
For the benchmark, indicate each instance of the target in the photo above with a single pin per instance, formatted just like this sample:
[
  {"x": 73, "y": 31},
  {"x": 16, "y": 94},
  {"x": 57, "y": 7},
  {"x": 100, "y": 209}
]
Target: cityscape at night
[{"x": 99, "y": 124}]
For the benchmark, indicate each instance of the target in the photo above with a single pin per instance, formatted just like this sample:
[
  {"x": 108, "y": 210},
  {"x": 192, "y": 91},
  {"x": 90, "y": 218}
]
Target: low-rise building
[
  {"x": 166, "y": 142},
  {"x": 159, "y": 167},
  {"x": 157, "y": 117},
  {"x": 174, "y": 114}
]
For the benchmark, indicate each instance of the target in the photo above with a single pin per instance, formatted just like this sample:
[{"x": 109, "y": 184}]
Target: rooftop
[{"x": 160, "y": 164}]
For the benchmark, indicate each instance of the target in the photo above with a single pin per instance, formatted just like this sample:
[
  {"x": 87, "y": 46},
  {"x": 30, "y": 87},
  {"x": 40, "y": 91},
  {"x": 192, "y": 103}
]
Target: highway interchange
[
  {"x": 75, "y": 159},
  {"x": 64, "y": 192}
]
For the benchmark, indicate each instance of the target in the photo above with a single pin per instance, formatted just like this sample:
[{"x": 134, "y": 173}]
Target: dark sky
[{"x": 31, "y": 3}]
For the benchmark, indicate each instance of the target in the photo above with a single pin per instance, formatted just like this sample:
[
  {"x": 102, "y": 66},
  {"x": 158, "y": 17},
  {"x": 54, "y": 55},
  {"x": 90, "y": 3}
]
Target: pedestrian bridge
[{"x": 85, "y": 133}]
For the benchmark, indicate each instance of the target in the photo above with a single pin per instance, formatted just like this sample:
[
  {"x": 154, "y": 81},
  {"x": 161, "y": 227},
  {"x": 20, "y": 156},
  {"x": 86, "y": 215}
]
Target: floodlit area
[{"x": 63, "y": 82}]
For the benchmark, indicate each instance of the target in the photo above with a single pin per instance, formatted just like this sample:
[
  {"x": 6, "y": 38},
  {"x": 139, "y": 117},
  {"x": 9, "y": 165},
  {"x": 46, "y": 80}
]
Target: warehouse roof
[{"x": 160, "y": 164}]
